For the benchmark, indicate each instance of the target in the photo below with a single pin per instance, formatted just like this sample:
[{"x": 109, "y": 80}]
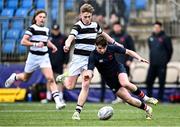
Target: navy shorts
[{"x": 112, "y": 81}]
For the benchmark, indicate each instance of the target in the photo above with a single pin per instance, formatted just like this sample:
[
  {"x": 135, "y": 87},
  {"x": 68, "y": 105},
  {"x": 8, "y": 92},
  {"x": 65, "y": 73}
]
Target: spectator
[
  {"x": 160, "y": 47},
  {"x": 122, "y": 37},
  {"x": 117, "y": 10},
  {"x": 126, "y": 40}
]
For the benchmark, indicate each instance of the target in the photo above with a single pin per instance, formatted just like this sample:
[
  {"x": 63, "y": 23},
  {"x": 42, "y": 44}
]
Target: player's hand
[
  {"x": 128, "y": 63},
  {"x": 66, "y": 49},
  {"x": 54, "y": 49},
  {"x": 39, "y": 45}
]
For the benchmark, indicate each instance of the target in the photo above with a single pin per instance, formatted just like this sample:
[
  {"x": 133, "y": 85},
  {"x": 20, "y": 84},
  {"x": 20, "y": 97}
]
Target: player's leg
[
  {"x": 82, "y": 98},
  {"x": 48, "y": 73},
  {"x": 124, "y": 81},
  {"x": 124, "y": 94},
  {"x": 60, "y": 88},
  {"x": 48, "y": 95},
  {"x": 15, "y": 77}
]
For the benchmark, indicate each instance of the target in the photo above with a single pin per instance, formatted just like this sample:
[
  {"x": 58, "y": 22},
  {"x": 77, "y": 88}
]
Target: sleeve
[
  {"x": 118, "y": 49},
  {"x": 91, "y": 62},
  {"x": 29, "y": 31},
  {"x": 130, "y": 44},
  {"x": 75, "y": 30},
  {"x": 169, "y": 48}
]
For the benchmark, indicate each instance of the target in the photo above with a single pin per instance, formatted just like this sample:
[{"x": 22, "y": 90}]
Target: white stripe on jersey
[
  {"x": 43, "y": 38},
  {"x": 81, "y": 36},
  {"x": 87, "y": 36},
  {"x": 85, "y": 46}
]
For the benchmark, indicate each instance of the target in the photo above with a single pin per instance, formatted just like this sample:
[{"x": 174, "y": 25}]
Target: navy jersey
[{"x": 106, "y": 63}]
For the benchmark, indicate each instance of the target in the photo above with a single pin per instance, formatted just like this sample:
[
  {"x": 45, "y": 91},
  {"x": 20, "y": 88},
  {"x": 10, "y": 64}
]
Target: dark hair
[
  {"x": 37, "y": 13},
  {"x": 117, "y": 23},
  {"x": 100, "y": 40},
  {"x": 158, "y": 23}
]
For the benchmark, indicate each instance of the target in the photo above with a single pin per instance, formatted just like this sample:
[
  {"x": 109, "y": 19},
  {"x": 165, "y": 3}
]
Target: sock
[
  {"x": 55, "y": 95},
  {"x": 60, "y": 95},
  {"x": 143, "y": 106},
  {"x": 48, "y": 95},
  {"x": 139, "y": 93},
  {"x": 79, "y": 108},
  {"x": 16, "y": 78}
]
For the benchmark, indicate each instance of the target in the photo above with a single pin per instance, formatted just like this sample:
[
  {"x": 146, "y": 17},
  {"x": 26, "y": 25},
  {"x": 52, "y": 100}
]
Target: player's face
[
  {"x": 40, "y": 19},
  {"x": 157, "y": 28},
  {"x": 86, "y": 18},
  {"x": 101, "y": 49}
]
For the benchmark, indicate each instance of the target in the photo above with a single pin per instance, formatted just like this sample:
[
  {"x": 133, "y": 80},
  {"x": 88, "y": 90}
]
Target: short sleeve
[{"x": 75, "y": 30}]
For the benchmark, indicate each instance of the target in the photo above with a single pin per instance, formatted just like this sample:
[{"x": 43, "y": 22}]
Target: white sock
[
  {"x": 55, "y": 95},
  {"x": 145, "y": 98},
  {"x": 147, "y": 107},
  {"x": 60, "y": 95},
  {"x": 48, "y": 95}
]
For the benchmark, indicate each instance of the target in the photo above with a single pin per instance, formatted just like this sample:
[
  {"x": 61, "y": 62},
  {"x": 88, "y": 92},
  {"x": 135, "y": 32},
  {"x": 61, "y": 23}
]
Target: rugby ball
[{"x": 105, "y": 113}]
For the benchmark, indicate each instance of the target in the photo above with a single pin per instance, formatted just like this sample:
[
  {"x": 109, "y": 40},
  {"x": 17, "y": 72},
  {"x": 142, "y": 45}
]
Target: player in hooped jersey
[
  {"x": 36, "y": 37},
  {"x": 84, "y": 32}
]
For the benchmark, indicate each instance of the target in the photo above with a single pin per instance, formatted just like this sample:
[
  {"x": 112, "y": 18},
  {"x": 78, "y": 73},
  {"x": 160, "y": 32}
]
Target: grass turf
[{"x": 36, "y": 114}]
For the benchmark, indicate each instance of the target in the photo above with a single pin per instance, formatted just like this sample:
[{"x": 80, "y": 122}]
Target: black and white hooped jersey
[
  {"x": 38, "y": 34},
  {"x": 85, "y": 36}
]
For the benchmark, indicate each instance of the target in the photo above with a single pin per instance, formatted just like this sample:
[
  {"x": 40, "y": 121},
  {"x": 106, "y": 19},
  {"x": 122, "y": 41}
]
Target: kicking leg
[
  {"x": 124, "y": 81},
  {"x": 124, "y": 94}
]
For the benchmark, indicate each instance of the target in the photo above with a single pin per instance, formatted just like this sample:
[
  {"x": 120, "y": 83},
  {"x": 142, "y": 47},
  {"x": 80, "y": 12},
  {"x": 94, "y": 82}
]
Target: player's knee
[
  {"x": 50, "y": 80},
  {"x": 124, "y": 83}
]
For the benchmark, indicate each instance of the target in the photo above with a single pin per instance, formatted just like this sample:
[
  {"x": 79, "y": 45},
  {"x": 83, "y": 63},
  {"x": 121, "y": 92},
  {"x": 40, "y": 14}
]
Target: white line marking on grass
[{"x": 86, "y": 111}]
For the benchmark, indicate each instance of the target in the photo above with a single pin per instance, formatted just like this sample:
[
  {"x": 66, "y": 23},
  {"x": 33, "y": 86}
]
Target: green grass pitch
[{"x": 36, "y": 114}]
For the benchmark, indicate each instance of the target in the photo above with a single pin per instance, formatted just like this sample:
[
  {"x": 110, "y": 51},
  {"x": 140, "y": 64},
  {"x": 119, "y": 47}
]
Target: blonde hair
[
  {"x": 86, "y": 8},
  {"x": 37, "y": 13}
]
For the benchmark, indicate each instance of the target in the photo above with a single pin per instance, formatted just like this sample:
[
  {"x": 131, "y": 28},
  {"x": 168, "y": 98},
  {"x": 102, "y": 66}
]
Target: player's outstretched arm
[
  {"x": 111, "y": 40},
  {"x": 135, "y": 55},
  {"x": 68, "y": 42}
]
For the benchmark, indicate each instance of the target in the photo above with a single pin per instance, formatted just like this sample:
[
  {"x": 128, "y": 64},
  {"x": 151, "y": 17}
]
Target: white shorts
[
  {"x": 35, "y": 62},
  {"x": 78, "y": 65}
]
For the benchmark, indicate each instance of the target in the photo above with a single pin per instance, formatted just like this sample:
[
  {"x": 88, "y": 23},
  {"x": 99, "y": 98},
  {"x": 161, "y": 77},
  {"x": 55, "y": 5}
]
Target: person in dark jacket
[
  {"x": 122, "y": 37},
  {"x": 59, "y": 60},
  {"x": 160, "y": 47},
  {"x": 126, "y": 40}
]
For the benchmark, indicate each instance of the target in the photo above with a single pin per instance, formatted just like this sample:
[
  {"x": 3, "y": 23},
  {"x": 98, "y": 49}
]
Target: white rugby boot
[
  {"x": 76, "y": 116},
  {"x": 10, "y": 80}
]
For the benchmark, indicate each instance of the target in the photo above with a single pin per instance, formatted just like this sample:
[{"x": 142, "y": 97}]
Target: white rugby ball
[{"x": 105, "y": 113}]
